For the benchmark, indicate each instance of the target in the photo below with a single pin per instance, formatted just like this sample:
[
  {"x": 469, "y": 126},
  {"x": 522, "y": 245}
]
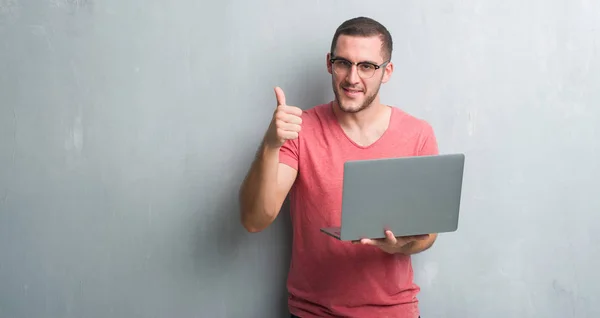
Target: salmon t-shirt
[{"x": 328, "y": 277}]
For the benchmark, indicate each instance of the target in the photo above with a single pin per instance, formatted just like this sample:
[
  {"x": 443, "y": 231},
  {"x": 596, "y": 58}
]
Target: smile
[{"x": 352, "y": 92}]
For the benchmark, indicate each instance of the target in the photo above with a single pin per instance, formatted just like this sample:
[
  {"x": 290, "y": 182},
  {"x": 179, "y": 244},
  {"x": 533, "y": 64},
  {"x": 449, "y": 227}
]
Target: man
[{"x": 303, "y": 153}]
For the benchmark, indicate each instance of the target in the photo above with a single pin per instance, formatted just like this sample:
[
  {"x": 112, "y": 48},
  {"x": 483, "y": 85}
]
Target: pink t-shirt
[{"x": 327, "y": 277}]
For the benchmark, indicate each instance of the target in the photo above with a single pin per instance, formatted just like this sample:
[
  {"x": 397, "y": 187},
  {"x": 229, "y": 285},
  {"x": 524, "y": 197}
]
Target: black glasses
[{"x": 365, "y": 69}]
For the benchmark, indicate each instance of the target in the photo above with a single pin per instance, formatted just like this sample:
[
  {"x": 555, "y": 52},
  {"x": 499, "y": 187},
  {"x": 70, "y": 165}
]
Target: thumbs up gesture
[{"x": 286, "y": 122}]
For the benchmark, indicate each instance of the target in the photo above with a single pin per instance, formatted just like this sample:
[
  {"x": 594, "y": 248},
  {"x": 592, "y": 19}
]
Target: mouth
[{"x": 352, "y": 92}]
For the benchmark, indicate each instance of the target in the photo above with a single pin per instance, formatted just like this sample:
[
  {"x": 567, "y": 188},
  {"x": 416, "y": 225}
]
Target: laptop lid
[{"x": 407, "y": 195}]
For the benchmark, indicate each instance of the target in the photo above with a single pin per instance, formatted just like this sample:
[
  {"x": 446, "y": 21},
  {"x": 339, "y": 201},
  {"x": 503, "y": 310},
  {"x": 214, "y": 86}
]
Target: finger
[
  {"x": 288, "y": 127},
  {"x": 403, "y": 240},
  {"x": 420, "y": 237},
  {"x": 366, "y": 241},
  {"x": 375, "y": 242},
  {"x": 292, "y": 110},
  {"x": 280, "y": 96},
  {"x": 390, "y": 238},
  {"x": 414, "y": 237},
  {"x": 287, "y": 135},
  {"x": 288, "y": 118}
]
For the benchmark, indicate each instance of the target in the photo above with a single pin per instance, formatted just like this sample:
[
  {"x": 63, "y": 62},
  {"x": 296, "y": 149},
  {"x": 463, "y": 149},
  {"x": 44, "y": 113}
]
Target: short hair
[{"x": 365, "y": 27}]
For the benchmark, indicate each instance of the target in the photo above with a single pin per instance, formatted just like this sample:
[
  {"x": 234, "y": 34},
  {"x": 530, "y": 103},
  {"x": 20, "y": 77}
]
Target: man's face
[{"x": 357, "y": 86}]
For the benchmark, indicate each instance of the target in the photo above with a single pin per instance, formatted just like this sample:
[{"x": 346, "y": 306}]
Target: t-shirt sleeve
[
  {"x": 429, "y": 145},
  {"x": 288, "y": 153}
]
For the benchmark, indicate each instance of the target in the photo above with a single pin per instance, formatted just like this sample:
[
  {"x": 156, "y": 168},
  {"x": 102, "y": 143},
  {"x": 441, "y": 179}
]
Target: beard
[{"x": 346, "y": 107}]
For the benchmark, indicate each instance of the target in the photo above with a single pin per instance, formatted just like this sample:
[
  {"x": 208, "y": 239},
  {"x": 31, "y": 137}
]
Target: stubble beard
[{"x": 368, "y": 101}]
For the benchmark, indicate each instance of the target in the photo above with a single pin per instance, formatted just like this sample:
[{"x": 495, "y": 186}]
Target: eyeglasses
[{"x": 365, "y": 69}]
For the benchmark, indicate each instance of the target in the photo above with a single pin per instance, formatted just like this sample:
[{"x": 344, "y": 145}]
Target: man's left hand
[{"x": 392, "y": 244}]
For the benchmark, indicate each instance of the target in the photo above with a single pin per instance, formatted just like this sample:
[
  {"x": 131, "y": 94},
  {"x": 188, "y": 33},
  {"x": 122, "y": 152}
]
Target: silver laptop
[{"x": 407, "y": 195}]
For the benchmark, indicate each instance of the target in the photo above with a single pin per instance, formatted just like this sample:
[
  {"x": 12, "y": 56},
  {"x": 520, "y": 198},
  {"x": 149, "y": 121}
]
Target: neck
[{"x": 374, "y": 115}]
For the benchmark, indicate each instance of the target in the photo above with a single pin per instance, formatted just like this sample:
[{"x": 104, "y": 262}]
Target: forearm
[{"x": 257, "y": 200}]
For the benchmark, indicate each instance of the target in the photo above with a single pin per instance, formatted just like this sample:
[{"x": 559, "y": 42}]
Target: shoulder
[
  {"x": 316, "y": 116},
  {"x": 409, "y": 123},
  {"x": 314, "y": 121},
  {"x": 316, "y": 112},
  {"x": 417, "y": 130}
]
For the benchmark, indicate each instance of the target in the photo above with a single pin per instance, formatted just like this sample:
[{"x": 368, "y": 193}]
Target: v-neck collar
[{"x": 343, "y": 136}]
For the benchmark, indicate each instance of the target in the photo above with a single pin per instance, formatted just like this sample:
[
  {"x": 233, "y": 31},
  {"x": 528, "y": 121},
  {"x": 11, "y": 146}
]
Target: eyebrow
[{"x": 345, "y": 59}]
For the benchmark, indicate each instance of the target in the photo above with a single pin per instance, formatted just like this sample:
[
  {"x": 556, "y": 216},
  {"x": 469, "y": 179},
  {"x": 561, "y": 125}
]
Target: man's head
[{"x": 359, "y": 61}]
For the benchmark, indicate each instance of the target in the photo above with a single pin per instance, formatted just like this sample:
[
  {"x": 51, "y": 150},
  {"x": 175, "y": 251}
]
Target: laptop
[{"x": 407, "y": 195}]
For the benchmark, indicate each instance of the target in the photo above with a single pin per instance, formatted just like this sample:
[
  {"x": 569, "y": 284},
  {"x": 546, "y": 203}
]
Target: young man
[{"x": 303, "y": 153}]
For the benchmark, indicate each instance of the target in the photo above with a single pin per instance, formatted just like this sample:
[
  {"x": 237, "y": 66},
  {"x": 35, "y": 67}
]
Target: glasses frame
[{"x": 334, "y": 59}]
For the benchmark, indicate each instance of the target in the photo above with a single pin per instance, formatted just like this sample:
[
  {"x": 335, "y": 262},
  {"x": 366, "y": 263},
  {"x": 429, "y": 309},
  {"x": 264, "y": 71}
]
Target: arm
[
  {"x": 268, "y": 182},
  {"x": 264, "y": 189}
]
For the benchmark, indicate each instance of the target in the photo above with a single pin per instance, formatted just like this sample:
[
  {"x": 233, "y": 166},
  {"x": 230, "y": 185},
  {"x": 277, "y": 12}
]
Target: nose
[{"x": 353, "y": 77}]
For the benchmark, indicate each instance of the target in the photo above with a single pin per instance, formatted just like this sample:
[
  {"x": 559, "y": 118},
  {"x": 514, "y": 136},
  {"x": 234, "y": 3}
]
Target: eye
[
  {"x": 343, "y": 63},
  {"x": 366, "y": 66}
]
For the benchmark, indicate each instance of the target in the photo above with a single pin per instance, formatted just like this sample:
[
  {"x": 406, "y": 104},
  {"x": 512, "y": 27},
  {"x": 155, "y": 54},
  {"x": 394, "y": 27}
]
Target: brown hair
[{"x": 365, "y": 27}]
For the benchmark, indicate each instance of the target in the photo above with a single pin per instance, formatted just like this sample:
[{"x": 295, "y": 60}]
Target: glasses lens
[
  {"x": 365, "y": 70},
  {"x": 341, "y": 67}
]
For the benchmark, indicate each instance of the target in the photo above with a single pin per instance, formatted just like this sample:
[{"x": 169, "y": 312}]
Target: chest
[
  {"x": 364, "y": 139},
  {"x": 322, "y": 162}
]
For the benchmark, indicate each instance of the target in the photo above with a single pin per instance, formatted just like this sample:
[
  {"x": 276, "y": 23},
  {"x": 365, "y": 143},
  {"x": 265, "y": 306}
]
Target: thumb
[{"x": 280, "y": 96}]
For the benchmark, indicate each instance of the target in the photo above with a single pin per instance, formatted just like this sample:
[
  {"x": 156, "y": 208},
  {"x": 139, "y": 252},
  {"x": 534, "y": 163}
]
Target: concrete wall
[{"x": 127, "y": 126}]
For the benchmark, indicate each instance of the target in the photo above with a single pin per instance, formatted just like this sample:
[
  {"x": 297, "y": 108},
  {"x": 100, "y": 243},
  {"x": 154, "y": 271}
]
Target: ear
[
  {"x": 387, "y": 72},
  {"x": 329, "y": 63}
]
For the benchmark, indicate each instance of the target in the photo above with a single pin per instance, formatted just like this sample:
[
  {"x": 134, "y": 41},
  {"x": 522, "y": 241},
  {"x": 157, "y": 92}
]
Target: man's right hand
[
  {"x": 269, "y": 181},
  {"x": 286, "y": 122}
]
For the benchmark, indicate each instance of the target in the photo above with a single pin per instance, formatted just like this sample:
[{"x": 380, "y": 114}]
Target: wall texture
[{"x": 127, "y": 126}]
